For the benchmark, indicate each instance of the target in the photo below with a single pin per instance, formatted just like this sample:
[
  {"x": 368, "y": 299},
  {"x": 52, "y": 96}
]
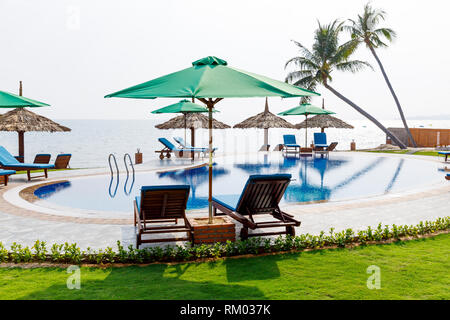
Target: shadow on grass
[
  {"x": 252, "y": 269},
  {"x": 135, "y": 282}
]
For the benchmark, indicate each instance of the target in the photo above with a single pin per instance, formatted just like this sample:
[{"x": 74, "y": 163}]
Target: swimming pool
[{"x": 341, "y": 176}]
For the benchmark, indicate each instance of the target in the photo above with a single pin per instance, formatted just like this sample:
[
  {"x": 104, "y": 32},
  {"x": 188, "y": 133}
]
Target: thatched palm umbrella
[
  {"x": 192, "y": 121},
  {"x": 323, "y": 121},
  {"x": 22, "y": 120},
  {"x": 264, "y": 120}
]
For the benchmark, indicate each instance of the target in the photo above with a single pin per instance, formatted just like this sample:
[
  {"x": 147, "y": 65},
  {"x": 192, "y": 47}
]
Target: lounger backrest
[
  {"x": 167, "y": 143},
  {"x": 164, "y": 202},
  {"x": 262, "y": 193},
  {"x": 320, "y": 138},
  {"x": 180, "y": 141},
  {"x": 289, "y": 139},
  {"x": 42, "y": 158},
  {"x": 62, "y": 161},
  {"x": 332, "y": 146},
  {"x": 6, "y": 157}
]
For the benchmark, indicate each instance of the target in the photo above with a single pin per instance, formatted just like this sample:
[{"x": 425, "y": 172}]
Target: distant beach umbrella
[
  {"x": 305, "y": 109},
  {"x": 264, "y": 120},
  {"x": 22, "y": 120},
  {"x": 185, "y": 107},
  {"x": 210, "y": 80},
  {"x": 324, "y": 121}
]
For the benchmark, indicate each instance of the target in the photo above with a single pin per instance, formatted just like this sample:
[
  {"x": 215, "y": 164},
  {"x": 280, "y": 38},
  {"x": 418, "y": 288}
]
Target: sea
[{"x": 91, "y": 141}]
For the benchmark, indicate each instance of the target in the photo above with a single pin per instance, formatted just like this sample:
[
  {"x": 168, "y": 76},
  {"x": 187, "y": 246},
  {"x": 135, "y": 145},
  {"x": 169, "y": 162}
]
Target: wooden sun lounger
[
  {"x": 290, "y": 144},
  {"x": 8, "y": 162},
  {"x": 445, "y": 154},
  {"x": 62, "y": 161},
  {"x": 163, "y": 205},
  {"x": 169, "y": 147},
  {"x": 42, "y": 158},
  {"x": 321, "y": 150},
  {"x": 261, "y": 195}
]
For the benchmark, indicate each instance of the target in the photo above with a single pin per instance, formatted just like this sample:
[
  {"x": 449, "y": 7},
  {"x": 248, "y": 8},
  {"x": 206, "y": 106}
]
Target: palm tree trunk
[
  {"x": 399, "y": 107},
  {"x": 368, "y": 116}
]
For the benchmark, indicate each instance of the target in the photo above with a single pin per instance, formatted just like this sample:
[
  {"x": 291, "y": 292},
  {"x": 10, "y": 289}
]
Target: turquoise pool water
[{"x": 342, "y": 176}]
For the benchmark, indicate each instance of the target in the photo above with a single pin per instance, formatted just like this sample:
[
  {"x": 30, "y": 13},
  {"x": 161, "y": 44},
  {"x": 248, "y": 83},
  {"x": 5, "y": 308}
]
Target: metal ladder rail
[
  {"x": 128, "y": 192},
  {"x": 113, "y": 194}
]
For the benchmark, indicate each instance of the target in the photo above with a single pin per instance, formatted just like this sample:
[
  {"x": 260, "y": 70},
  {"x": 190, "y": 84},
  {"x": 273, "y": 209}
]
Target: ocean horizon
[{"x": 91, "y": 141}]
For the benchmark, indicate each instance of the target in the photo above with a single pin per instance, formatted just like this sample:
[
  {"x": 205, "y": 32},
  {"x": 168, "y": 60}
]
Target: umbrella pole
[
  {"x": 306, "y": 131},
  {"x": 21, "y": 146},
  {"x": 193, "y": 141},
  {"x": 185, "y": 127},
  {"x": 266, "y": 139},
  {"x": 210, "y": 213}
]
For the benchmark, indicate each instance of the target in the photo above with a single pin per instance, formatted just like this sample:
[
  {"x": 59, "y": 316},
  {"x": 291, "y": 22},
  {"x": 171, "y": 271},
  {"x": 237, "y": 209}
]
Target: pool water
[{"x": 341, "y": 176}]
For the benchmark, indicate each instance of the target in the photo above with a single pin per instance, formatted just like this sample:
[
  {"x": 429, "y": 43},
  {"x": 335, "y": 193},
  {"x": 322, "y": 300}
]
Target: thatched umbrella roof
[
  {"x": 264, "y": 120},
  {"x": 324, "y": 121},
  {"x": 193, "y": 120},
  {"x": 23, "y": 120}
]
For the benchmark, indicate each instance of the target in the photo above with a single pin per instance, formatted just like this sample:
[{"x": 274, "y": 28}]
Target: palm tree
[
  {"x": 365, "y": 30},
  {"x": 315, "y": 67}
]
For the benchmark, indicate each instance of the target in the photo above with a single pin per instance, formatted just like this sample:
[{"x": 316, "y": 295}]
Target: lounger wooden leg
[
  {"x": 290, "y": 230},
  {"x": 45, "y": 173},
  {"x": 244, "y": 233},
  {"x": 138, "y": 240},
  {"x": 29, "y": 175},
  {"x": 6, "y": 180}
]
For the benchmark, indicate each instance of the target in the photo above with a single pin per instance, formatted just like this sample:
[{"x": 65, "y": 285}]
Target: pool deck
[{"x": 23, "y": 224}]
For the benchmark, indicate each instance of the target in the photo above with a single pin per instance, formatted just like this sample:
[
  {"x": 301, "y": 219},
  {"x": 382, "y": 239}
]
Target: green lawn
[
  {"x": 418, "y": 153},
  {"x": 415, "y": 269}
]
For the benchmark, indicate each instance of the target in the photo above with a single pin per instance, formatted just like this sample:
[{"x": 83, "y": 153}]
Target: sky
[{"x": 72, "y": 53}]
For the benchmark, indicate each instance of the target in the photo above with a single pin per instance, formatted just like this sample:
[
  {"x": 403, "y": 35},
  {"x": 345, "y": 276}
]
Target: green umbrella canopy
[
  {"x": 10, "y": 100},
  {"x": 183, "y": 106},
  {"x": 211, "y": 77},
  {"x": 305, "y": 109}
]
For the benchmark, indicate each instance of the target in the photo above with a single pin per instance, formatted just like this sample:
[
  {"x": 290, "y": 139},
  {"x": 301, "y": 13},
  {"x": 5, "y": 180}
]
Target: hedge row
[{"x": 71, "y": 253}]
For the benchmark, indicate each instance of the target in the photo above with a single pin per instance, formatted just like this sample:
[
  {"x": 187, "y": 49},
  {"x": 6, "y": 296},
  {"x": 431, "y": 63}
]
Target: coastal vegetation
[{"x": 315, "y": 67}]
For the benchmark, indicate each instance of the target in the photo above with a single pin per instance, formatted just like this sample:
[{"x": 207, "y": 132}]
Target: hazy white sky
[{"x": 71, "y": 53}]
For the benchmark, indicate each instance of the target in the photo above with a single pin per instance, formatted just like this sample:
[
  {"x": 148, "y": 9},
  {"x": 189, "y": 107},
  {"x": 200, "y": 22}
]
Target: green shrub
[{"x": 71, "y": 253}]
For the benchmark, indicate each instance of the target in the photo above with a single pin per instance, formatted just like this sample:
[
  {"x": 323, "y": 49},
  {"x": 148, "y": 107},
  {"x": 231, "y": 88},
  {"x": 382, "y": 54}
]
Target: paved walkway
[{"x": 19, "y": 225}]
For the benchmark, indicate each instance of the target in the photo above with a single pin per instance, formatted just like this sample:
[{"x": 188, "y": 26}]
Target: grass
[
  {"x": 34, "y": 171},
  {"x": 418, "y": 153},
  {"x": 416, "y": 269}
]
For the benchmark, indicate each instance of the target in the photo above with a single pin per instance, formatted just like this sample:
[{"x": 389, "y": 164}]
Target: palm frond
[{"x": 353, "y": 66}]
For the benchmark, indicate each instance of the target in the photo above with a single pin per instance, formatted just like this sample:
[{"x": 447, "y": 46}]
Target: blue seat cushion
[
  {"x": 32, "y": 166},
  {"x": 6, "y": 172},
  {"x": 229, "y": 201},
  {"x": 138, "y": 203},
  {"x": 444, "y": 152},
  {"x": 64, "y": 155},
  {"x": 170, "y": 187},
  {"x": 289, "y": 139},
  {"x": 320, "y": 139},
  {"x": 321, "y": 145},
  {"x": 292, "y": 145}
]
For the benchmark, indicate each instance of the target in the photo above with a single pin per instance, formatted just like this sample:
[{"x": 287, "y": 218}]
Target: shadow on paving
[{"x": 149, "y": 282}]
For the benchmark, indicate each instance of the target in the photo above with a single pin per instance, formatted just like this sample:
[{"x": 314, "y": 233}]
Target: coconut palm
[
  {"x": 315, "y": 67},
  {"x": 365, "y": 30}
]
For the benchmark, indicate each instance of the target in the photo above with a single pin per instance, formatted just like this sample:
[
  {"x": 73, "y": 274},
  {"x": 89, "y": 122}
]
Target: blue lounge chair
[
  {"x": 445, "y": 154},
  {"x": 261, "y": 195},
  {"x": 7, "y": 161},
  {"x": 290, "y": 144},
  {"x": 169, "y": 147},
  {"x": 447, "y": 176},
  {"x": 4, "y": 176},
  {"x": 162, "y": 205},
  {"x": 320, "y": 140},
  {"x": 183, "y": 144}
]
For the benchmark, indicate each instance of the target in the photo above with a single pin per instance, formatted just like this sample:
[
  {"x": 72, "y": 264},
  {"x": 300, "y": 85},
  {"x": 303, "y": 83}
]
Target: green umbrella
[
  {"x": 210, "y": 78},
  {"x": 10, "y": 100},
  {"x": 183, "y": 106},
  {"x": 305, "y": 109}
]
